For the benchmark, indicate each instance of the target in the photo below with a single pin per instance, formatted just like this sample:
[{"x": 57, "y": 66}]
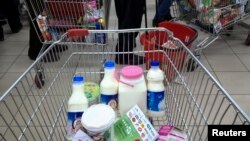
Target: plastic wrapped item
[
  {"x": 81, "y": 136},
  {"x": 171, "y": 133},
  {"x": 43, "y": 26},
  {"x": 92, "y": 91},
  {"x": 210, "y": 17},
  {"x": 134, "y": 126},
  {"x": 91, "y": 12},
  {"x": 225, "y": 17}
]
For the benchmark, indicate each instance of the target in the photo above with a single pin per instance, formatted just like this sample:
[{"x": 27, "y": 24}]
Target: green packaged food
[{"x": 92, "y": 91}]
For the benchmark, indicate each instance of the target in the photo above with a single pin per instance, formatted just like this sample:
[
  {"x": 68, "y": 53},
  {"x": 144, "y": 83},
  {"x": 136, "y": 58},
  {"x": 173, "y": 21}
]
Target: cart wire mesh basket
[{"x": 31, "y": 113}]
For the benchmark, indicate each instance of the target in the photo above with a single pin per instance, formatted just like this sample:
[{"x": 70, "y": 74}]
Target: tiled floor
[{"x": 228, "y": 59}]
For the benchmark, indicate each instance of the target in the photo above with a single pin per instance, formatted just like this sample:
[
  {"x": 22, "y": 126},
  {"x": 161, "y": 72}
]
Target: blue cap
[
  {"x": 109, "y": 64},
  {"x": 155, "y": 63},
  {"x": 78, "y": 78}
]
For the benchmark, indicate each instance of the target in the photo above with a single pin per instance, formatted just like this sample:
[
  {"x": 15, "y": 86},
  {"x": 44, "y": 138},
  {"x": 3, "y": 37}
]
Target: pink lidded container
[{"x": 132, "y": 89}]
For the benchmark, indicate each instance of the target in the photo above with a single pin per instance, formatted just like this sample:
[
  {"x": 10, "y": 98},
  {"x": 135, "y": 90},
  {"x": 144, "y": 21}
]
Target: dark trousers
[
  {"x": 9, "y": 9},
  {"x": 129, "y": 14},
  {"x": 35, "y": 44}
]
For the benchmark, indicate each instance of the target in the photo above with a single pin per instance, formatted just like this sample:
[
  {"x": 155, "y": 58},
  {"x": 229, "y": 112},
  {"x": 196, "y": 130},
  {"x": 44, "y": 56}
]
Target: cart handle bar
[{"x": 78, "y": 32}]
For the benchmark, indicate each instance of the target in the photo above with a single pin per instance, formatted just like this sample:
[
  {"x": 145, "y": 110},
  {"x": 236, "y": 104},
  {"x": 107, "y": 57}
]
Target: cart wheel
[
  {"x": 39, "y": 80},
  {"x": 191, "y": 65}
]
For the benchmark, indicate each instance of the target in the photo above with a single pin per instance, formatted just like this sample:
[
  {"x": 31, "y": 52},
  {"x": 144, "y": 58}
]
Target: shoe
[
  {"x": 129, "y": 59},
  {"x": 155, "y": 22},
  {"x": 17, "y": 29}
]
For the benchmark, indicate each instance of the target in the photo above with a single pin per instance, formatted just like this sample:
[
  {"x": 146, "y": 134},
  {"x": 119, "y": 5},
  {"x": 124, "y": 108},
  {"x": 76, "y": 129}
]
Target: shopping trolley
[
  {"x": 155, "y": 40},
  {"x": 29, "y": 113},
  {"x": 212, "y": 18},
  {"x": 52, "y": 18}
]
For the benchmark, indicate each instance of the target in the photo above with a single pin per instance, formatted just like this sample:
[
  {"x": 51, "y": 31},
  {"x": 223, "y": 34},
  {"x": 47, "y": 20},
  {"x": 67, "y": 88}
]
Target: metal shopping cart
[
  {"x": 29, "y": 113},
  {"x": 211, "y": 17},
  {"x": 52, "y": 18}
]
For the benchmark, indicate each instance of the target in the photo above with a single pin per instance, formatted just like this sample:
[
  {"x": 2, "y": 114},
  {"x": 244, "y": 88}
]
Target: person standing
[
  {"x": 129, "y": 14},
  {"x": 163, "y": 11},
  {"x": 9, "y": 10}
]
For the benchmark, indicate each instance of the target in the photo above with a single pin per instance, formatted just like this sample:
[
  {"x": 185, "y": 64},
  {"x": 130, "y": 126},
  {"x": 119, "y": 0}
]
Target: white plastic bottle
[
  {"x": 77, "y": 104},
  {"x": 156, "y": 91},
  {"x": 109, "y": 86}
]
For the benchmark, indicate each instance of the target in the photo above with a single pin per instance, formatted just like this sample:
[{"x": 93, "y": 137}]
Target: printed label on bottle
[
  {"x": 73, "y": 123},
  {"x": 111, "y": 100},
  {"x": 155, "y": 101},
  {"x": 100, "y": 38}
]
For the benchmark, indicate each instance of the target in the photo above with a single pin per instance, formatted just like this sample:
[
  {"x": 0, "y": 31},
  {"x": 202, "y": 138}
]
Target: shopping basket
[
  {"x": 154, "y": 40},
  {"x": 31, "y": 114}
]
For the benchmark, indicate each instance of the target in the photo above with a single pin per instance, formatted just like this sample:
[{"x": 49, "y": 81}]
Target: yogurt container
[
  {"x": 92, "y": 91},
  {"x": 98, "y": 120}
]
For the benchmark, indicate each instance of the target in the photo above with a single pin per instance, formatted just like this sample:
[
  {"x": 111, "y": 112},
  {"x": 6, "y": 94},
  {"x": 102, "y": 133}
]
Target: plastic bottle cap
[
  {"x": 131, "y": 72},
  {"x": 155, "y": 63},
  {"x": 109, "y": 64},
  {"x": 78, "y": 78}
]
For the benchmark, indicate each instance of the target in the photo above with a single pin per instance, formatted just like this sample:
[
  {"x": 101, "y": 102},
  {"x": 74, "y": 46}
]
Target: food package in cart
[
  {"x": 134, "y": 126},
  {"x": 171, "y": 133}
]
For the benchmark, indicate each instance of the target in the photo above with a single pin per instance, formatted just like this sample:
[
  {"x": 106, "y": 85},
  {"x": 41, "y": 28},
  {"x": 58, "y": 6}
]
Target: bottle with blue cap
[
  {"x": 156, "y": 91},
  {"x": 100, "y": 37},
  {"x": 109, "y": 86},
  {"x": 77, "y": 104}
]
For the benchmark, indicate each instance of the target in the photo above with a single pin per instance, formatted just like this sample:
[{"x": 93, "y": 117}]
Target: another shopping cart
[
  {"x": 212, "y": 18},
  {"x": 29, "y": 113}
]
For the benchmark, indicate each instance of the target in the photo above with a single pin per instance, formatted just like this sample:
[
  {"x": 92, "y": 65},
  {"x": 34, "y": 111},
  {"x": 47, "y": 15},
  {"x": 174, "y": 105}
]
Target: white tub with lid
[
  {"x": 98, "y": 120},
  {"x": 132, "y": 89}
]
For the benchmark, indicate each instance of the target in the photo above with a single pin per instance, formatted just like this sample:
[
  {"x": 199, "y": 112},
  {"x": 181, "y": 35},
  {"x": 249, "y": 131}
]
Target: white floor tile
[
  {"x": 6, "y": 62},
  {"x": 21, "y": 64},
  {"x": 219, "y": 46},
  {"x": 235, "y": 82},
  {"x": 12, "y": 48},
  {"x": 243, "y": 101},
  {"x": 225, "y": 62},
  {"x": 245, "y": 58},
  {"x": 7, "y": 80},
  {"x": 238, "y": 46}
]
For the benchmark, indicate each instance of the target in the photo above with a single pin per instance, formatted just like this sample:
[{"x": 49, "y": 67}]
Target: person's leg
[
  {"x": 35, "y": 44},
  {"x": 129, "y": 14},
  {"x": 163, "y": 11},
  {"x": 13, "y": 15}
]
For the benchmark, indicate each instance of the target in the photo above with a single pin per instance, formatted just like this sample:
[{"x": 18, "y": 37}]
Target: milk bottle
[
  {"x": 77, "y": 104},
  {"x": 156, "y": 93},
  {"x": 132, "y": 89},
  {"x": 109, "y": 86}
]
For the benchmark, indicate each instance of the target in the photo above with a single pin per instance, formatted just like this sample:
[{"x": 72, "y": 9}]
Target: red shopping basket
[
  {"x": 153, "y": 41},
  {"x": 66, "y": 8}
]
